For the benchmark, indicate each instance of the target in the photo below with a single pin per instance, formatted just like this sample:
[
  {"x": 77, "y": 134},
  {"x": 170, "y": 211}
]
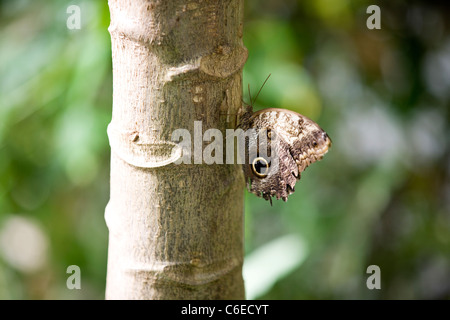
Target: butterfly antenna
[
  {"x": 250, "y": 96},
  {"x": 260, "y": 88}
]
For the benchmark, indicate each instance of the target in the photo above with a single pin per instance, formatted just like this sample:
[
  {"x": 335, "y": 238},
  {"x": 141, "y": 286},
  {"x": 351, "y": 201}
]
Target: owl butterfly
[{"x": 293, "y": 142}]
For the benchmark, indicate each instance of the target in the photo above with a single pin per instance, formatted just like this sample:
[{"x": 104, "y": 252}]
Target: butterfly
[{"x": 292, "y": 142}]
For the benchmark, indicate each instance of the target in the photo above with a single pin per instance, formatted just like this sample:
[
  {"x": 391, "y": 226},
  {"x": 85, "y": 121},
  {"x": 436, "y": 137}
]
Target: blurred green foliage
[{"x": 380, "y": 197}]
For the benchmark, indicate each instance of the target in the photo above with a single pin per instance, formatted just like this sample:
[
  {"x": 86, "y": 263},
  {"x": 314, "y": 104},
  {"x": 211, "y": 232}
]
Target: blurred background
[{"x": 380, "y": 197}]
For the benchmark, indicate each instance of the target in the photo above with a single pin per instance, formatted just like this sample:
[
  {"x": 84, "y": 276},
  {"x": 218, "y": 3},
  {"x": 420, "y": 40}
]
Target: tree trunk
[{"x": 176, "y": 231}]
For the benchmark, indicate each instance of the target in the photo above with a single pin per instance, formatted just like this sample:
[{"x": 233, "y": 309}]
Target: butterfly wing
[
  {"x": 294, "y": 143},
  {"x": 277, "y": 175}
]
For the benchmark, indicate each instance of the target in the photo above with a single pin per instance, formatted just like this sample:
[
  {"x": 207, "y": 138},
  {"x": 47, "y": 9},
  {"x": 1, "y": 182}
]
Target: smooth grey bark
[{"x": 175, "y": 231}]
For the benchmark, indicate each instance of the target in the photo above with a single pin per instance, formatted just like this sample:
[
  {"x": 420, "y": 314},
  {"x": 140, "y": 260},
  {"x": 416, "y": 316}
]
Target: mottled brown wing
[
  {"x": 282, "y": 173},
  {"x": 296, "y": 143}
]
